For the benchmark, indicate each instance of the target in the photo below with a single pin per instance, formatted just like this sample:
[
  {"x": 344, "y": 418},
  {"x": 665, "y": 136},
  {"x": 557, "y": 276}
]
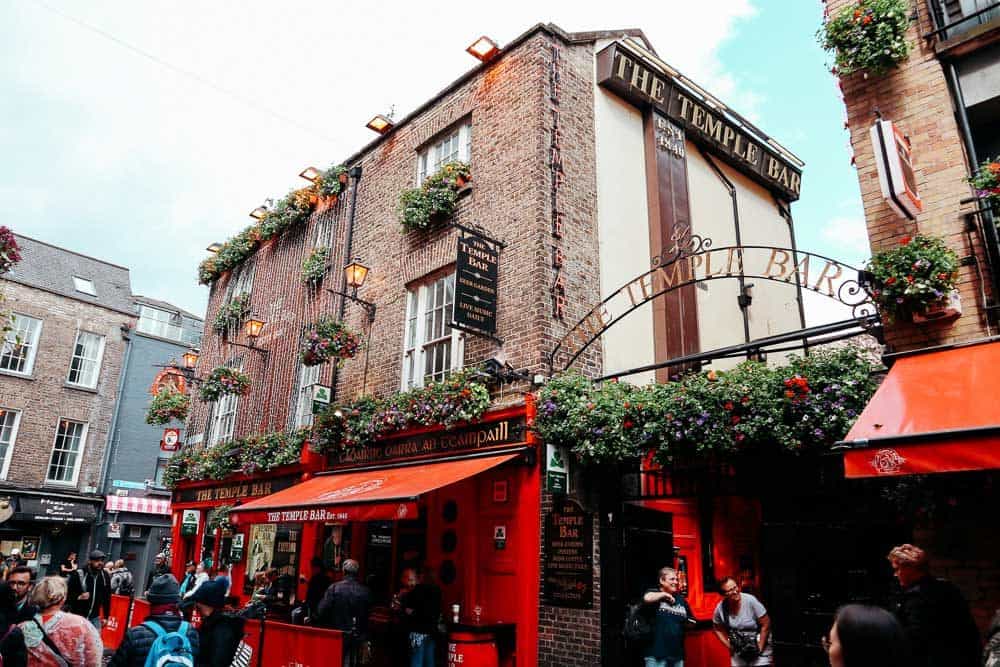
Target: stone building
[{"x": 60, "y": 374}]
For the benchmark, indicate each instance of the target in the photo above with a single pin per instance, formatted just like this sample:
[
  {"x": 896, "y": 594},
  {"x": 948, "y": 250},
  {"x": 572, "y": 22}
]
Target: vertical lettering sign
[
  {"x": 568, "y": 572},
  {"x": 476, "y": 272},
  {"x": 556, "y": 172}
]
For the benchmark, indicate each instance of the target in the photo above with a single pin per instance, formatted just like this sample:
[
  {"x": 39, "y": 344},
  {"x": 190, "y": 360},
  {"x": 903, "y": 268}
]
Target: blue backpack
[{"x": 170, "y": 649}]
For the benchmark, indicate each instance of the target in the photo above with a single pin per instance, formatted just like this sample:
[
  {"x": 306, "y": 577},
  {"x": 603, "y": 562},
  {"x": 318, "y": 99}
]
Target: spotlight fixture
[
  {"x": 311, "y": 174},
  {"x": 484, "y": 48},
  {"x": 259, "y": 212},
  {"x": 379, "y": 124},
  {"x": 214, "y": 247}
]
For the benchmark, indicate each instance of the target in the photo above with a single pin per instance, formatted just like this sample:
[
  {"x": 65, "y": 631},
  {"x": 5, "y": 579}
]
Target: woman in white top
[{"x": 742, "y": 625}]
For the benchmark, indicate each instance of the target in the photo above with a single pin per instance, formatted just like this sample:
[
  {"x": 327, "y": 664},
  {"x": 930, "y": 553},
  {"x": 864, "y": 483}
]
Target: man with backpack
[
  {"x": 90, "y": 590},
  {"x": 165, "y": 638},
  {"x": 121, "y": 579}
]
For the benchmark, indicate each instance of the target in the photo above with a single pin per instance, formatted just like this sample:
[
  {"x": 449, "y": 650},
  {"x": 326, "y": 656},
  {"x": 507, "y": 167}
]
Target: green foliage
[
  {"x": 435, "y": 200},
  {"x": 869, "y": 36},
  {"x": 230, "y": 315},
  {"x": 919, "y": 272},
  {"x": 328, "y": 339},
  {"x": 256, "y": 453},
  {"x": 457, "y": 399},
  {"x": 332, "y": 182},
  {"x": 986, "y": 181},
  {"x": 221, "y": 381},
  {"x": 168, "y": 404},
  {"x": 807, "y": 404},
  {"x": 314, "y": 266}
]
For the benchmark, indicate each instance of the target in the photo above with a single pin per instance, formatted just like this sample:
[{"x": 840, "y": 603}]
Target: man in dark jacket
[
  {"x": 90, "y": 590},
  {"x": 164, "y": 610},
  {"x": 316, "y": 588},
  {"x": 344, "y": 607},
  {"x": 159, "y": 567},
  {"x": 933, "y": 613},
  {"x": 19, "y": 580},
  {"x": 221, "y": 632}
]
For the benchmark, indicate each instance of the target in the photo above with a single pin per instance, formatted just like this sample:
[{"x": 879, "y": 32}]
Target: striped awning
[{"x": 138, "y": 505}]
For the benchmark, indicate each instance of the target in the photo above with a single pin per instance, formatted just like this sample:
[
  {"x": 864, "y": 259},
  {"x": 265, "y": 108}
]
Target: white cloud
[{"x": 848, "y": 233}]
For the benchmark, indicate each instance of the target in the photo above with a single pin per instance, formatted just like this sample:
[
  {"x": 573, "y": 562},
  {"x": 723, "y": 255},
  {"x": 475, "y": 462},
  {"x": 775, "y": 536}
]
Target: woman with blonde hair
[{"x": 55, "y": 638}]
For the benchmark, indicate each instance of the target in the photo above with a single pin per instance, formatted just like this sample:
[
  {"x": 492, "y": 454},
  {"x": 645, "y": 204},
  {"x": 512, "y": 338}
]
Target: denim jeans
[
  {"x": 421, "y": 650},
  {"x": 96, "y": 622},
  {"x": 665, "y": 662}
]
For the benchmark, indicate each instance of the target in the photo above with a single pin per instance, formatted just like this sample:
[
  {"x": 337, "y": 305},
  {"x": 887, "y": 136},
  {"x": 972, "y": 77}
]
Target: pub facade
[{"x": 606, "y": 215}]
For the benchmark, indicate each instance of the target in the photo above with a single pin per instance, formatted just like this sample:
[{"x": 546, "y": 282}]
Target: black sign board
[
  {"x": 237, "y": 491},
  {"x": 55, "y": 509},
  {"x": 476, "y": 271},
  {"x": 475, "y": 436},
  {"x": 568, "y": 568}
]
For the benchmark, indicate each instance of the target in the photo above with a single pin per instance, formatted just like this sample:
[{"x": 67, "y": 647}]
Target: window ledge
[
  {"x": 15, "y": 374},
  {"x": 80, "y": 387},
  {"x": 51, "y": 484}
]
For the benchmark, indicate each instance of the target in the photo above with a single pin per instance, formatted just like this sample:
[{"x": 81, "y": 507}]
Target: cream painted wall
[{"x": 623, "y": 228}]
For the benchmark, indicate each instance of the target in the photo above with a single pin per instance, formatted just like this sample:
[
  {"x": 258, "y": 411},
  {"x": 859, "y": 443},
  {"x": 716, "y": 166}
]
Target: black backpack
[{"x": 637, "y": 623}]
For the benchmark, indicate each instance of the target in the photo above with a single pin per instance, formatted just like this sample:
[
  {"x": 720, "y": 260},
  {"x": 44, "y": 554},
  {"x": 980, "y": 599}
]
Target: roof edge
[{"x": 73, "y": 252}]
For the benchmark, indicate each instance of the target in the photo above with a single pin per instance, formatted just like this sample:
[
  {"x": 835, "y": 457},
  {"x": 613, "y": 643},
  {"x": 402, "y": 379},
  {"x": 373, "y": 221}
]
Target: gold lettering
[
  {"x": 695, "y": 262},
  {"x": 738, "y": 256},
  {"x": 685, "y": 103},
  {"x": 622, "y": 60},
  {"x": 698, "y": 117},
  {"x": 801, "y": 272},
  {"x": 640, "y": 78},
  {"x": 727, "y": 135},
  {"x": 646, "y": 285},
  {"x": 796, "y": 182},
  {"x": 783, "y": 264},
  {"x": 829, "y": 279},
  {"x": 773, "y": 168},
  {"x": 752, "y": 153},
  {"x": 737, "y": 151},
  {"x": 656, "y": 90},
  {"x": 668, "y": 280},
  {"x": 713, "y": 127}
]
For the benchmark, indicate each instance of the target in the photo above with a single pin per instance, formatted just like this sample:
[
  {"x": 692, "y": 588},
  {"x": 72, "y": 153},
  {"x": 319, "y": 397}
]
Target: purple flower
[
  {"x": 818, "y": 432},
  {"x": 899, "y": 299},
  {"x": 598, "y": 431}
]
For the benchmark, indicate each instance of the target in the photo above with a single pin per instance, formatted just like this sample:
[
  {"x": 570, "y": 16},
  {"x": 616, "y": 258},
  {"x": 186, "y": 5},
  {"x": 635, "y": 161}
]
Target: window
[
  {"x": 20, "y": 344},
  {"x": 308, "y": 376},
  {"x": 9, "y": 420},
  {"x": 85, "y": 285},
  {"x": 224, "y": 414},
  {"x": 243, "y": 281},
  {"x": 67, "y": 452},
  {"x": 432, "y": 349},
  {"x": 160, "y": 323},
  {"x": 85, "y": 367},
  {"x": 456, "y": 145}
]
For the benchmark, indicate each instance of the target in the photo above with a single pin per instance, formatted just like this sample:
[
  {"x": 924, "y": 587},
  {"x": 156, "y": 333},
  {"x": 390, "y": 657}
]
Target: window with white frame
[
  {"x": 85, "y": 285},
  {"x": 9, "y": 421},
  {"x": 431, "y": 349},
  {"x": 160, "y": 323},
  {"x": 455, "y": 145},
  {"x": 20, "y": 345},
  {"x": 85, "y": 367},
  {"x": 224, "y": 414},
  {"x": 243, "y": 281},
  {"x": 67, "y": 452},
  {"x": 308, "y": 376}
]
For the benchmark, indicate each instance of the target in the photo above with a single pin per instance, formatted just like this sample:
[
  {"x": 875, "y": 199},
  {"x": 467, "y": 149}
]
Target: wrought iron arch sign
[{"x": 692, "y": 260}]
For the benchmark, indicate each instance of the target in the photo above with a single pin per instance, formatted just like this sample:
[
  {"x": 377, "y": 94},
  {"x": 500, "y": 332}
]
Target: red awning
[
  {"x": 934, "y": 412},
  {"x": 386, "y": 494}
]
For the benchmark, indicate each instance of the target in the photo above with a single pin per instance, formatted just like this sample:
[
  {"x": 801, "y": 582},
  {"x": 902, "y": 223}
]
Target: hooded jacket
[
  {"x": 220, "y": 635},
  {"x": 98, "y": 585},
  {"x": 139, "y": 640}
]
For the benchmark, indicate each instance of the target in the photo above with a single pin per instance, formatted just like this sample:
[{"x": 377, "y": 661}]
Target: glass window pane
[
  {"x": 85, "y": 364},
  {"x": 66, "y": 451},
  {"x": 20, "y": 344}
]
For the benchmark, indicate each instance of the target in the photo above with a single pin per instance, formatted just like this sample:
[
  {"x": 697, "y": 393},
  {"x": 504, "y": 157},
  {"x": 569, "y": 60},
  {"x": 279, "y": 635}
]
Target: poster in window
[
  {"x": 262, "y": 537},
  {"x": 286, "y": 548}
]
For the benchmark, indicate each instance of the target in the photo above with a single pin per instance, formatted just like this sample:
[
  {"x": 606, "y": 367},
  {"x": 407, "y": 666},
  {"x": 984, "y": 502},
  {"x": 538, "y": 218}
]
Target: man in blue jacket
[{"x": 164, "y": 609}]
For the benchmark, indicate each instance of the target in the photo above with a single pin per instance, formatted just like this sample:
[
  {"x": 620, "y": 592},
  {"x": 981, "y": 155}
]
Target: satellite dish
[{"x": 6, "y": 509}]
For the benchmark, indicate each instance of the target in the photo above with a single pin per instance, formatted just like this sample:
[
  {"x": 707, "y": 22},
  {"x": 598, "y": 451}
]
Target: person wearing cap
[
  {"x": 221, "y": 632},
  {"x": 159, "y": 567},
  {"x": 90, "y": 590},
  {"x": 164, "y": 609},
  {"x": 187, "y": 583}
]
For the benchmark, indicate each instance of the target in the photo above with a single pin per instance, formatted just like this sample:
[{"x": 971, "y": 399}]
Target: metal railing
[{"x": 956, "y": 17}]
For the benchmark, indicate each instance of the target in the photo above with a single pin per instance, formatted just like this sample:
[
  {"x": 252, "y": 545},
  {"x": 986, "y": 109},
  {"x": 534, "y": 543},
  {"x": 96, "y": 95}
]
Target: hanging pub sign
[
  {"x": 171, "y": 440},
  {"x": 190, "y": 521},
  {"x": 568, "y": 566},
  {"x": 321, "y": 394},
  {"x": 895, "y": 169},
  {"x": 171, "y": 379},
  {"x": 476, "y": 272}
]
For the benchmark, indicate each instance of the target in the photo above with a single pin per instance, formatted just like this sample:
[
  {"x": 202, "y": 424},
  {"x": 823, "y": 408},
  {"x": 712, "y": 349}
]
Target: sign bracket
[{"x": 476, "y": 332}]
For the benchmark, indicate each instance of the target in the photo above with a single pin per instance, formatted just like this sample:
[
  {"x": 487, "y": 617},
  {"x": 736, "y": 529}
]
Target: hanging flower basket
[
  {"x": 329, "y": 339},
  {"x": 332, "y": 181},
  {"x": 314, "y": 266},
  {"x": 868, "y": 36},
  {"x": 230, "y": 315},
  {"x": 168, "y": 404},
  {"x": 435, "y": 200},
  {"x": 986, "y": 181},
  {"x": 915, "y": 277},
  {"x": 223, "y": 381},
  {"x": 9, "y": 252}
]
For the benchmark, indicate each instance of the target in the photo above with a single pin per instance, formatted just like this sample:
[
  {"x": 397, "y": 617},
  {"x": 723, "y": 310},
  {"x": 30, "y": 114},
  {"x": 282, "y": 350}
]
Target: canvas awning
[{"x": 934, "y": 412}]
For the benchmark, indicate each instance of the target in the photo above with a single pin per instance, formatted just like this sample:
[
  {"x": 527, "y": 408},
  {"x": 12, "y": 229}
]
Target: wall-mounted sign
[
  {"x": 476, "y": 436},
  {"x": 236, "y": 548},
  {"x": 895, "y": 169},
  {"x": 500, "y": 537},
  {"x": 556, "y": 470},
  {"x": 124, "y": 484},
  {"x": 171, "y": 439},
  {"x": 234, "y": 491},
  {"x": 190, "y": 520},
  {"x": 321, "y": 395},
  {"x": 568, "y": 566},
  {"x": 54, "y": 509},
  {"x": 476, "y": 273},
  {"x": 645, "y": 83},
  {"x": 114, "y": 531},
  {"x": 171, "y": 379}
]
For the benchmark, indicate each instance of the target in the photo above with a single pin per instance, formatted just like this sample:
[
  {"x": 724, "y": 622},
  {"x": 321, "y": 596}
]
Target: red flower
[
  {"x": 789, "y": 394},
  {"x": 735, "y": 419},
  {"x": 745, "y": 400},
  {"x": 628, "y": 423},
  {"x": 890, "y": 280},
  {"x": 625, "y": 405},
  {"x": 905, "y": 240},
  {"x": 867, "y": 20},
  {"x": 909, "y": 279},
  {"x": 590, "y": 406},
  {"x": 942, "y": 276},
  {"x": 728, "y": 405},
  {"x": 740, "y": 437}
]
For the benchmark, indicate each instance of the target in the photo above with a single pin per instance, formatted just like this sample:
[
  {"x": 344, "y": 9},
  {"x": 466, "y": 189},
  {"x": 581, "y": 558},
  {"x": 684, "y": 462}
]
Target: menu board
[
  {"x": 286, "y": 548},
  {"x": 568, "y": 567}
]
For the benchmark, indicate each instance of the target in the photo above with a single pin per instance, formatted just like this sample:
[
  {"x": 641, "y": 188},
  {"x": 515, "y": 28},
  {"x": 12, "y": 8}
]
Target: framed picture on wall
[{"x": 29, "y": 548}]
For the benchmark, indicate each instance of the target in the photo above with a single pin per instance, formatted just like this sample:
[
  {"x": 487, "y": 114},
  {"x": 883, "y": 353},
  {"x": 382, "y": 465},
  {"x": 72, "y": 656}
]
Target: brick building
[
  {"x": 945, "y": 99},
  {"x": 60, "y": 373},
  {"x": 593, "y": 163}
]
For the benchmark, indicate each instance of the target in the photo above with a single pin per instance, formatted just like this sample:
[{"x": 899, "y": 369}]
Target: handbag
[{"x": 742, "y": 644}]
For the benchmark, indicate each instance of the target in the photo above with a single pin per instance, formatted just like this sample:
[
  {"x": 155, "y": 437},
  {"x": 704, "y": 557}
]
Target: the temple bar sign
[
  {"x": 643, "y": 84},
  {"x": 476, "y": 271}
]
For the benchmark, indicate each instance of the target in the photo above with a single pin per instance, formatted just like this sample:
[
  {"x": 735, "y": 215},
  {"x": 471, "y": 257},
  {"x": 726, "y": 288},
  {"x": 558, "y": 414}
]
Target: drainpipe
[
  {"x": 355, "y": 174},
  {"x": 744, "y": 307},
  {"x": 109, "y": 446}
]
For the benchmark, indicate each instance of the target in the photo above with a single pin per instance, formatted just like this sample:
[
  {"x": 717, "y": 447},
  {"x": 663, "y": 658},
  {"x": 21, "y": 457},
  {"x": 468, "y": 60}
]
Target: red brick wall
[
  {"x": 44, "y": 398},
  {"x": 916, "y": 97}
]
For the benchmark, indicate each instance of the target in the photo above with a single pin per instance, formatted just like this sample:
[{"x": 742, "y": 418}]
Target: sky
[{"x": 140, "y": 132}]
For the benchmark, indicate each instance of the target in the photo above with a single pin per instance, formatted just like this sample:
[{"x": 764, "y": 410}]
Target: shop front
[
  {"x": 460, "y": 506},
  {"x": 45, "y": 527}
]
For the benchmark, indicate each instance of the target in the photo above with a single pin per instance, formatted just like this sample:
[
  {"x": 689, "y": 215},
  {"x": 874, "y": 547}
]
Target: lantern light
[
  {"x": 484, "y": 48},
  {"x": 214, "y": 247},
  {"x": 379, "y": 124},
  {"x": 356, "y": 273},
  {"x": 311, "y": 174},
  {"x": 253, "y": 327},
  {"x": 190, "y": 359}
]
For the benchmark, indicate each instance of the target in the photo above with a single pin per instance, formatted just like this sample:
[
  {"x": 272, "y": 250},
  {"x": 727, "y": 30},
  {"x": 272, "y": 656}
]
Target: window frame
[
  {"x": 98, "y": 362},
  {"x": 165, "y": 327},
  {"x": 85, "y": 282},
  {"x": 415, "y": 345},
  {"x": 79, "y": 454},
  {"x": 11, "y": 441},
  {"x": 217, "y": 415},
  {"x": 303, "y": 404},
  {"x": 32, "y": 346},
  {"x": 428, "y": 157},
  {"x": 242, "y": 280}
]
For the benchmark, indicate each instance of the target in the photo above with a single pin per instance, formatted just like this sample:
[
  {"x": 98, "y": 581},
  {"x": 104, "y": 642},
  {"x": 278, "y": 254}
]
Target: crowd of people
[{"x": 928, "y": 624}]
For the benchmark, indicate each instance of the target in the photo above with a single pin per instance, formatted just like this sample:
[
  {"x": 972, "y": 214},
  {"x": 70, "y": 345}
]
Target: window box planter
[
  {"x": 914, "y": 278},
  {"x": 950, "y": 307}
]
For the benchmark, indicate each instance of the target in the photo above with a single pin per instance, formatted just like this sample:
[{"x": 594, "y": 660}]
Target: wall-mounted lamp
[
  {"x": 214, "y": 247},
  {"x": 484, "y": 49},
  {"x": 355, "y": 273},
  {"x": 190, "y": 359},
  {"x": 252, "y": 328},
  {"x": 379, "y": 124},
  {"x": 311, "y": 174}
]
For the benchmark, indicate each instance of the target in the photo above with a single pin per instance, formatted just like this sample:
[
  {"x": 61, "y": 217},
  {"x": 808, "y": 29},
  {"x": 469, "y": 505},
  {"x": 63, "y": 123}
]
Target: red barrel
[{"x": 472, "y": 649}]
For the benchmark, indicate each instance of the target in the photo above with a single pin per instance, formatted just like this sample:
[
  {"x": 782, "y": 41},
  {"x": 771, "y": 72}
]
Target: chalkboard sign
[
  {"x": 568, "y": 568},
  {"x": 476, "y": 271}
]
